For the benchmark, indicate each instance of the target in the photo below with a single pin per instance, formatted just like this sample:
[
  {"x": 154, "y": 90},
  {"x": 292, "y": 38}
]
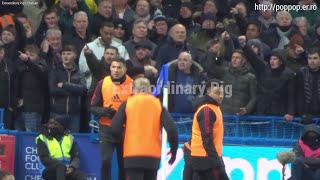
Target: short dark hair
[
  {"x": 314, "y": 51},
  {"x": 69, "y": 47},
  {"x": 49, "y": 11},
  {"x": 213, "y": 83},
  {"x": 119, "y": 60},
  {"x": 112, "y": 47},
  {"x": 106, "y": 24},
  {"x": 11, "y": 29},
  {"x": 254, "y": 22}
]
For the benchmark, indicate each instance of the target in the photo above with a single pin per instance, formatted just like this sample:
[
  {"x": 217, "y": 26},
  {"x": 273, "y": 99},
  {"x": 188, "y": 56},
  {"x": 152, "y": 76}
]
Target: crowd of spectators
[{"x": 54, "y": 52}]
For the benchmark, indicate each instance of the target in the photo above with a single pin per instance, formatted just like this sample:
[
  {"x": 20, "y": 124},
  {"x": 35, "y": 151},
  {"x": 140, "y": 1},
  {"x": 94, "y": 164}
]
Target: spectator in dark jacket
[
  {"x": 316, "y": 37},
  {"x": 16, "y": 27},
  {"x": 205, "y": 33},
  {"x": 104, "y": 14},
  {"x": 242, "y": 100},
  {"x": 139, "y": 33},
  {"x": 7, "y": 88},
  {"x": 277, "y": 35},
  {"x": 67, "y": 9},
  {"x": 266, "y": 17},
  {"x": 275, "y": 84},
  {"x": 120, "y": 33},
  {"x": 159, "y": 32},
  {"x": 185, "y": 18},
  {"x": 51, "y": 48},
  {"x": 32, "y": 79},
  {"x": 8, "y": 38},
  {"x": 50, "y": 19},
  {"x": 176, "y": 44},
  {"x": 67, "y": 85},
  {"x": 306, "y": 164},
  {"x": 79, "y": 34},
  {"x": 308, "y": 86},
  {"x": 142, "y": 62},
  {"x": 65, "y": 166}
]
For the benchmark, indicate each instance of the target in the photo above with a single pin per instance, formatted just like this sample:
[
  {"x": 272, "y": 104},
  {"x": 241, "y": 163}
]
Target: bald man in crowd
[{"x": 175, "y": 44}]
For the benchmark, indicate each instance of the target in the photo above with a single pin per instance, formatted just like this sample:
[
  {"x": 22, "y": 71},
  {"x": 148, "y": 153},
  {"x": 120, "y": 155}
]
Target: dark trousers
[
  {"x": 209, "y": 174},
  {"x": 107, "y": 146},
  {"x": 141, "y": 174},
  {"x": 187, "y": 170},
  {"x": 59, "y": 173},
  {"x": 8, "y": 118},
  {"x": 300, "y": 172}
]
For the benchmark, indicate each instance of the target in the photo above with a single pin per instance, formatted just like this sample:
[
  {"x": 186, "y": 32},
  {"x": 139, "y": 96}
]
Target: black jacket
[
  {"x": 98, "y": 19},
  {"x": 275, "y": 87},
  {"x": 66, "y": 100},
  {"x": 7, "y": 83},
  {"x": 272, "y": 38},
  {"x": 32, "y": 78},
  {"x": 307, "y": 85},
  {"x": 74, "y": 39},
  {"x": 99, "y": 70},
  {"x": 170, "y": 51}
]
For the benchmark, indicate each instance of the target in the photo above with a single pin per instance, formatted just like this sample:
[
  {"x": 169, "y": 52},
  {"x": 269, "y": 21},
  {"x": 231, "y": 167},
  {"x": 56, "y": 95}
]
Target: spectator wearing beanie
[
  {"x": 142, "y": 62},
  {"x": 185, "y": 18},
  {"x": 275, "y": 84},
  {"x": 296, "y": 52},
  {"x": 159, "y": 33},
  {"x": 206, "y": 33},
  {"x": 120, "y": 33}
]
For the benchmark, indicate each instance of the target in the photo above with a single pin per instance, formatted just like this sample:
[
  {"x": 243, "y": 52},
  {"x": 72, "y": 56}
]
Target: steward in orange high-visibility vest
[
  {"x": 108, "y": 96},
  {"x": 6, "y": 20},
  {"x": 143, "y": 117},
  {"x": 207, "y": 135}
]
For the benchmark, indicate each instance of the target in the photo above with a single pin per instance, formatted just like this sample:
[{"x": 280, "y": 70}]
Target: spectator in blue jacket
[{"x": 66, "y": 85}]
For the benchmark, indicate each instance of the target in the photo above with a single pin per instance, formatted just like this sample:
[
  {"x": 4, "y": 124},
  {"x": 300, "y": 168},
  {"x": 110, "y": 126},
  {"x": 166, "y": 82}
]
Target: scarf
[
  {"x": 266, "y": 23},
  {"x": 283, "y": 37},
  {"x": 308, "y": 152},
  {"x": 56, "y": 55}
]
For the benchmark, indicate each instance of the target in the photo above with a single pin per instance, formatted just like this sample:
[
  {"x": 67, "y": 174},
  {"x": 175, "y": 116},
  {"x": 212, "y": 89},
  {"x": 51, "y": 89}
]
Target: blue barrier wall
[
  {"x": 239, "y": 130},
  {"x": 28, "y": 166},
  {"x": 242, "y": 162}
]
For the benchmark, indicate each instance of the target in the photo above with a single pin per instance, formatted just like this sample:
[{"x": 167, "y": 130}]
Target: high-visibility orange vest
[
  {"x": 6, "y": 20},
  {"x": 114, "y": 94},
  {"x": 143, "y": 127},
  {"x": 197, "y": 148}
]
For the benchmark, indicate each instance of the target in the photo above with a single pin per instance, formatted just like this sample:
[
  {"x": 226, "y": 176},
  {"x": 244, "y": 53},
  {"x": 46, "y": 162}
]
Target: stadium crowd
[
  {"x": 54, "y": 53},
  {"x": 59, "y": 58}
]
